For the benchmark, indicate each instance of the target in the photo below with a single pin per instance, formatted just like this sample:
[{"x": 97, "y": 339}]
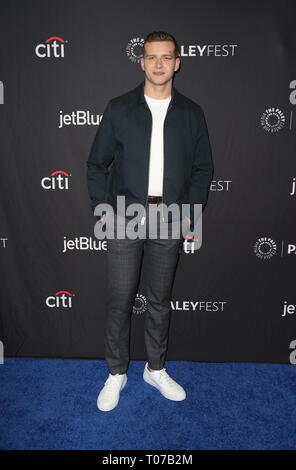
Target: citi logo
[
  {"x": 57, "y": 180},
  {"x": 53, "y": 47},
  {"x": 62, "y": 298},
  {"x": 188, "y": 245}
]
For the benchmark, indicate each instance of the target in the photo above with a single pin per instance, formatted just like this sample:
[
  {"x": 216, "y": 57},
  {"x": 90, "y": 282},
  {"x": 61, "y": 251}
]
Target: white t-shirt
[{"x": 158, "y": 109}]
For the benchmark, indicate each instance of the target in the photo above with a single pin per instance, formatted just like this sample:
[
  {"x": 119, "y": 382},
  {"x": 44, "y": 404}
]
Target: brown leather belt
[{"x": 154, "y": 199}]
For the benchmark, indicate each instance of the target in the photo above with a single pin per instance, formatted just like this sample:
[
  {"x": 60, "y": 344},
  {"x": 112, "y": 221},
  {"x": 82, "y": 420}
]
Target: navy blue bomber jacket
[{"x": 119, "y": 158}]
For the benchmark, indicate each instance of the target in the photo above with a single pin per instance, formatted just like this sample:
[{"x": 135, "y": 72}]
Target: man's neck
[{"x": 158, "y": 92}]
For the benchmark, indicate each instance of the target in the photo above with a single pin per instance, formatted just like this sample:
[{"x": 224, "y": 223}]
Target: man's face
[{"x": 159, "y": 63}]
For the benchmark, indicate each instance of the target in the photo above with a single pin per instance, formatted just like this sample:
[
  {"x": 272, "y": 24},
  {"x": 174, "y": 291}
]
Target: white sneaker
[
  {"x": 161, "y": 380},
  {"x": 109, "y": 395}
]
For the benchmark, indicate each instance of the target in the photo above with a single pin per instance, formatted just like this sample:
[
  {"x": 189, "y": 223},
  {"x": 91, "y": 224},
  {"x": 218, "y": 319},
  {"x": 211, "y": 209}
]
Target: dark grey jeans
[{"x": 124, "y": 262}]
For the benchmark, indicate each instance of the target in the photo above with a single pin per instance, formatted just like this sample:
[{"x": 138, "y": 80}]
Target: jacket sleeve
[
  {"x": 101, "y": 155},
  {"x": 202, "y": 170}
]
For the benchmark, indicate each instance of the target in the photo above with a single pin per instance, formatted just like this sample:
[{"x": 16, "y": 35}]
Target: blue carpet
[{"x": 51, "y": 404}]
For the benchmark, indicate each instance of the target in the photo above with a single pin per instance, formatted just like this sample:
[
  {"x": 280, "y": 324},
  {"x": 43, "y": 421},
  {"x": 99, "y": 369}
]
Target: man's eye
[{"x": 166, "y": 58}]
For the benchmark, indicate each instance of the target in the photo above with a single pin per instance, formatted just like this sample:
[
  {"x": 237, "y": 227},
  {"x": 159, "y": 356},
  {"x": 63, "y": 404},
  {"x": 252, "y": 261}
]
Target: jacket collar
[{"x": 141, "y": 98}]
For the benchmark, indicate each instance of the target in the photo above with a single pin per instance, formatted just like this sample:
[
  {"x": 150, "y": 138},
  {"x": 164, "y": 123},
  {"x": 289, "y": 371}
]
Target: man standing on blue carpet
[{"x": 152, "y": 149}]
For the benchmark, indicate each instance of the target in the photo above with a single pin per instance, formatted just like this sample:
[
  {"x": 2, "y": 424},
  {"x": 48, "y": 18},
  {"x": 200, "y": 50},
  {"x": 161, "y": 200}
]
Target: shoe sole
[
  {"x": 166, "y": 395},
  {"x": 114, "y": 406}
]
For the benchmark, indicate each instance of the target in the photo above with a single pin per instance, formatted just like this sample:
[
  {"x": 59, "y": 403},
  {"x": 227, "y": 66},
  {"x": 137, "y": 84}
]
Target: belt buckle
[{"x": 154, "y": 199}]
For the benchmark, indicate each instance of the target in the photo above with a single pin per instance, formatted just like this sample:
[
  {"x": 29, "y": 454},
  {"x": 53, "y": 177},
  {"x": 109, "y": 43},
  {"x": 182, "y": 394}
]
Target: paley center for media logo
[
  {"x": 53, "y": 47},
  {"x": 140, "y": 304},
  {"x": 134, "y": 49},
  {"x": 265, "y": 248},
  {"x": 272, "y": 120},
  {"x": 57, "y": 180},
  {"x": 62, "y": 298}
]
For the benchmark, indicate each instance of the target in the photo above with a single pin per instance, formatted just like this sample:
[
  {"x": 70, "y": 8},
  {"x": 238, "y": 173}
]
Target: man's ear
[{"x": 178, "y": 59}]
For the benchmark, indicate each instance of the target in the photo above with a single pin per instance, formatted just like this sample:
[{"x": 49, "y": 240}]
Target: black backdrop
[{"x": 61, "y": 61}]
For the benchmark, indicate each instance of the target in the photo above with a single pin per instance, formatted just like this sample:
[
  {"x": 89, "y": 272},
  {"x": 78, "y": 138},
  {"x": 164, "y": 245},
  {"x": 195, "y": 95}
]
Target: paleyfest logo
[
  {"x": 62, "y": 298},
  {"x": 272, "y": 120},
  {"x": 57, "y": 180},
  {"x": 53, "y": 47},
  {"x": 134, "y": 49}
]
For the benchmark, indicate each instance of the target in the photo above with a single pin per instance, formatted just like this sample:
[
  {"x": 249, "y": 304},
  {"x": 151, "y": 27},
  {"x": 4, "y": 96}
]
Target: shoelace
[
  {"x": 113, "y": 384},
  {"x": 164, "y": 377}
]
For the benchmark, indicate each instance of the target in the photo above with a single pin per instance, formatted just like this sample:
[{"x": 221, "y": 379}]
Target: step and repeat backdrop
[{"x": 61, "y": 62}]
